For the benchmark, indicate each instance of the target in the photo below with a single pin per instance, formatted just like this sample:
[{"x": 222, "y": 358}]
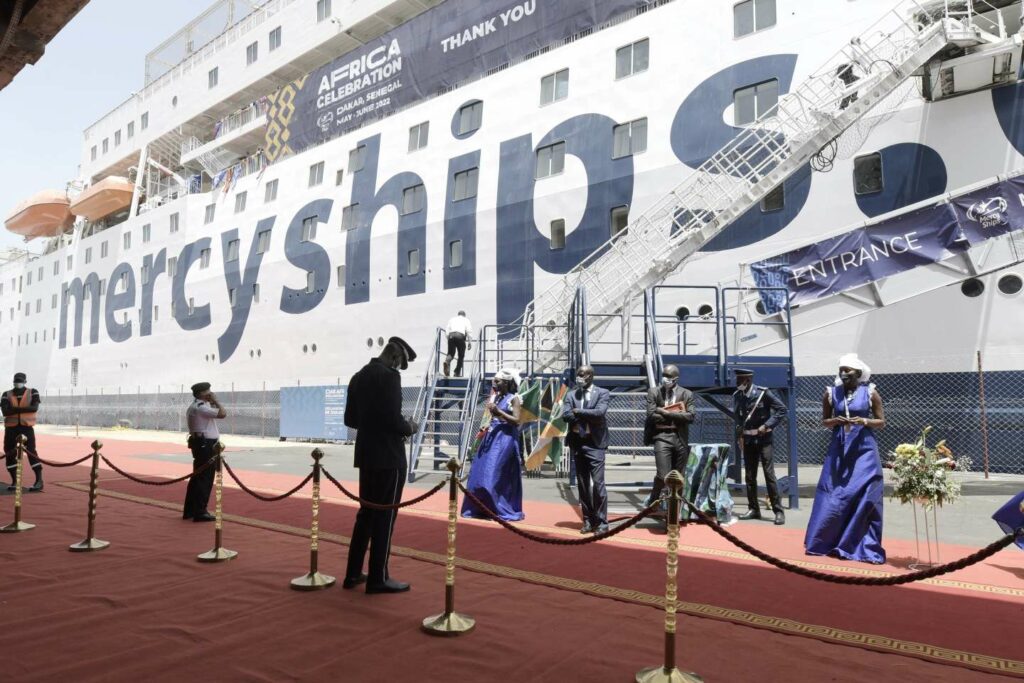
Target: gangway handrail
[
  {"x": 468, "y": 416},
  {"x": 427, "y": 390}
]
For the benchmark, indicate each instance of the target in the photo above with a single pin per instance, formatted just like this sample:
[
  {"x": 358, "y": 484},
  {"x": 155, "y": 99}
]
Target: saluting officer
[
  {"x": 19, "y": 406},
  {"x": 374, "y": 410},
  {"x": 757, "y": 412},
  {"x": 203, "y": 434}
]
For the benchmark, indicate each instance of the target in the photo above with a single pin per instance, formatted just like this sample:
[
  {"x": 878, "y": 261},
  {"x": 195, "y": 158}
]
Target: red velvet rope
[
  {"x": 268, "y": 499},
  {"x": 381, "y": 506},
  {"x": 165, "y": 482}
]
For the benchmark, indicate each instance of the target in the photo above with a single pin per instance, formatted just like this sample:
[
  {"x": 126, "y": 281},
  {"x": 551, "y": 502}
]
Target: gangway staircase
[{"x": 863, "y": 73}]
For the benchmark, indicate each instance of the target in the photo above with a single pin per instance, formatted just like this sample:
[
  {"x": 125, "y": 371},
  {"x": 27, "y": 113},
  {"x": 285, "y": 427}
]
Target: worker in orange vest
[{"x": 19, "y": 406}]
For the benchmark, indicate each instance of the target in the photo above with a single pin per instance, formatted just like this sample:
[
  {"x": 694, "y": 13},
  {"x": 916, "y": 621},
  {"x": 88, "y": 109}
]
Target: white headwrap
[
  {"x": 507, "y": 374},
  {"x": 851, "y": 360}
]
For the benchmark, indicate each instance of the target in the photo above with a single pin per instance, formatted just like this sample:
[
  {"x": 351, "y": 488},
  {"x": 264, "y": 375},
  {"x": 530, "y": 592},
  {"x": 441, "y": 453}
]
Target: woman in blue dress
[
  {"x": 846, "y": 520},
  {"x": 495, "y": 476}
]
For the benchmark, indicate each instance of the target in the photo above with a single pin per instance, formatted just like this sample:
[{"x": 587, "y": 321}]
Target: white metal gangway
[{"x": 654, "y": 245}]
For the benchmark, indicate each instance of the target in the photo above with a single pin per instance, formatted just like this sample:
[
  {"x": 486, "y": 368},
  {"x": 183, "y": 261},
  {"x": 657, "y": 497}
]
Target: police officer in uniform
[
  {"x": 19, "y": 406},
  {"x": 203, "y": 434},
  {"x": 374, "y": 410},
  {"x": 757, "y": 412}
]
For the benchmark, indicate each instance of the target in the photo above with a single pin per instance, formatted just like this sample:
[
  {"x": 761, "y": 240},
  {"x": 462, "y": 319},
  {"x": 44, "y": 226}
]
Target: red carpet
[{"x": 147, "y": 605}]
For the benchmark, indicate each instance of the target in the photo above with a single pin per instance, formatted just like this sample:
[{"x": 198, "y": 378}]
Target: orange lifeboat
[
  {"x": 44, "y": 214},
  {"x": 97, "y": 201}
]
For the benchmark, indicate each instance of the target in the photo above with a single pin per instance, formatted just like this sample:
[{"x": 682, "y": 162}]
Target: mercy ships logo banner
[{"x": 454, "y": 42}]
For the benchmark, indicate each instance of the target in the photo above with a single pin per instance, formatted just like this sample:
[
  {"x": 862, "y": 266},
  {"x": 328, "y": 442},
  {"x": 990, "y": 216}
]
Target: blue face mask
[
  {"x": 19, "y": 385},
  {"x": 668, "y": 381}
]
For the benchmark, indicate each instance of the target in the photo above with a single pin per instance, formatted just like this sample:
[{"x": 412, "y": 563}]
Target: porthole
[
  {"x": 252, "y": 354},
  {"x": 305, "y": 348},
  {"x": 705, "y": 310},
  {"x": 313, "y": 348},
  {"x": 682, "y": 313},
  {"x": 174, "y": 101},
  {"x": 369, "y": 342},
  {"x": 259, "y": 353},
  {"x": 380, "y": 341},
  {"x": 972, "y": 288},
  {"x": 207, "y": 357},
  {"x": 1010, "y": 284}
]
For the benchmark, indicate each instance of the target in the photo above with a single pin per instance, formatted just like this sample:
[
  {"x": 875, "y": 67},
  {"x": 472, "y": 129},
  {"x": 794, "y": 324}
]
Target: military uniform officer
[
  {"x": 19, "y": 406},
  {"x": 374, "y": 410},
  {"x": 757, "y": 412},
  {"x": 203, "y": 434}
]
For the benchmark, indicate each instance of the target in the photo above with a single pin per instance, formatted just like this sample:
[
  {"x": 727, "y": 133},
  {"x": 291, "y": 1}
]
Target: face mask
[
  {"x": 19, "y": 385},
  {"x": 583, "y": 381},
  {"x": 668, "y": 381},
  {"x": 847, "y": 376},
  {"x": 743, "y": 387}
]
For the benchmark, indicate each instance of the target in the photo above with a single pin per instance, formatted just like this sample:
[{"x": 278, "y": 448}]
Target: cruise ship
[{"x": 298, "y": 180}]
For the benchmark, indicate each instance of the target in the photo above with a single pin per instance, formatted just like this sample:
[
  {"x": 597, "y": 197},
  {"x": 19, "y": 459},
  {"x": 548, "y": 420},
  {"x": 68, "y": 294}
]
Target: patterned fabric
[
  {"x": 705, "y": 483},
  {"x": 496, "y": 475}
]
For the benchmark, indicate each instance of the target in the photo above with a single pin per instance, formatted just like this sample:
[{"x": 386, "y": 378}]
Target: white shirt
[
  {"x": 461, "y": 324},
  {"x": 202, "y": 419}
]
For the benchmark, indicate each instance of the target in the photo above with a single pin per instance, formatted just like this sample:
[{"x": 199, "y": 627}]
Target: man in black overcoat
[{"x": 374, "y": 410}]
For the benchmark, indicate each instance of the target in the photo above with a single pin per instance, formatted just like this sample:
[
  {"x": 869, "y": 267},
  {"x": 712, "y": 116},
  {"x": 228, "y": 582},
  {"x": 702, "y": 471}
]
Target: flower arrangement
[{"x": 922, "y": 473}]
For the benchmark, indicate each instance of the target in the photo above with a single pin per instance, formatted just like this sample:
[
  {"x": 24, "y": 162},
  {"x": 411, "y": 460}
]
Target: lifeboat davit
[
  {"x": 109, "y": 195},
  {"x": 44, "y": 214}
]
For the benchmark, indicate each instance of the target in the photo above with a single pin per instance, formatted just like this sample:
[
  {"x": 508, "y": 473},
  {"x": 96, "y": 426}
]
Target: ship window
[
  {"x": 316, "y": 174},
  {"x": 339, "y": 177},
  {"x": 471, "y": 117},
  {"x": 71, "y": 260},
  {"x": 127, "y": 240},
  {"x": 550, "y": 160},
  {"x": 455, "y": 254},
  {"x": 348, "y": 217},
  {"x": 310, "y": 281},
  {"x": 632, "y": 59},
  {"x": 93, "y": 153},
  {"x": 191, "y": 305},
  {"x": 147, "y": 233},
  {"x": 122, "y": 282},
  {"x": 263, "y": 242},
  {"x": 240, "y": 201},
  {"x": 413, "y": 199},
  {"x": 554, "y": 87},
  {"x": 53, "y": 301},
  {"x": 211, "y": 211},
  {"x": 309, "y": 228},
  {"x": 774, "y": 200},
  {"x": 972, "y": 288},
  {"x": 270, "y": 193},
  {"x": 751, "y": 103},
  {"x": 275, "y": 39},
  {"x": 106, "y": 145},
  {"x": 256, "y": 292},
  {"x": 233, "y": 250},
  {"x": 103, "y": 286},
  {"x": 28, "y": 275},
  {"x": 88, "y": 254},
  {"x": 751, "y": 16},
  {"x": 357, "y": 159},
  {"x": 232, "y": 297},
  {"x": 1010, "y": 284},
  {"x": 56, "y": 271},
  {"x": 252, "y": 53},
  {"x": 174, "y": 223},
  {"x": 74, "y": 372},
  {"x": 341, "y": 275},
  {"x": 212, "y": 76},
  {"x": 144, "y": 274},
  {"x": 172, "y": 266},
  {"x": 557, "y": 239},
  {"x": 466, "y": 184},
  {"x": 104, "y": 249},
  {"x": 39, "y": 306},
  {"x": 323, "y": 9},
  {"x": 131, "y": 129},
  {"x": 40, "y": 274},
  {"x": 144, "y": 120},
  {"x": 620, "y": 219},
  {"x": 117, "y": 138},
  {"x": 629, "y": 138},
  {"x": 418, "y": 135},
  {"x": 413, "y": 263},
  {"x": 204, "y": 258},
  {"x": 156, "y": 313},
  {"x": 867, "y": 174}
]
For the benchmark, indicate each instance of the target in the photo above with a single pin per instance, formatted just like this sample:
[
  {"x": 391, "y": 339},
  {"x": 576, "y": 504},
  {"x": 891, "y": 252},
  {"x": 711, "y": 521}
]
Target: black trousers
[
  {"x": 457, "y": 344},
  {"x": 590, "y": 484},
  {"x": 11, "y": 435},
  {"x": 373, "y": 528},
  {"x": 197, "y": 495},
  {"x": 670, "y": 453},
  {"x": 755, "y": 452}
]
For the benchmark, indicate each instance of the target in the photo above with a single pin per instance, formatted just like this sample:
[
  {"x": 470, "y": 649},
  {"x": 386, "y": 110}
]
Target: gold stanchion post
[
  {"x": 450, "y": 622},
  {"x": 91, "y": 543},
  {"x": 17, "y": 525},
  {"x": 668, "y": 673},
  {"x": 219, "y": 552},
  {"x": 314, "y": 580}
]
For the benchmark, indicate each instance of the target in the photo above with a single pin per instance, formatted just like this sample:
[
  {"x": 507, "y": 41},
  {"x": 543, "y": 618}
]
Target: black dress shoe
[
  {"x": 204, "y": 517},
  {"x": 389, "y": 586},
  {"x": 586, "y": 528},
  {"x": 38, "y": 486},
  {"x": 780, "y": 518},
  {"x": 751, "y": 514},
  {"x": 186, "y": 517},
  {"x": 353, "y": 581},
  {"x": 601, "y": 528}
]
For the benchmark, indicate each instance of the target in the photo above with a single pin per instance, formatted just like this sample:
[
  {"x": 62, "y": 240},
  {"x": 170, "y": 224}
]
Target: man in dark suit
[
  {"x": 584, "y": 410},
  {"x": 374, "y": 410},
  {"x": 757, "y": 411},
  {"x": 670, "y": 410}
]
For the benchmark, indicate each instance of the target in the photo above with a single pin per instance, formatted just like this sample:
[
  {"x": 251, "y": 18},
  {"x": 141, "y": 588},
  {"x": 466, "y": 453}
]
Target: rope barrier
[
  {"x": 381, "y": 506},
  {"x": 896, "y": 580},
  {"x": 268, "y": 499},
  {"x": 209, "y": 463},
  {"x": 632, "y": 521},
  {"x": 63, "y": 464}
]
